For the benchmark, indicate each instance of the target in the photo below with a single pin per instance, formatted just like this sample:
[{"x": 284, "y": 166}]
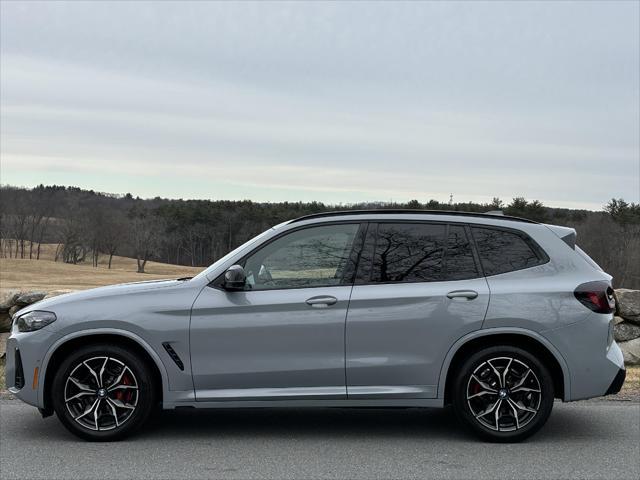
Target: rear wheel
[
  {"x": 503, "y": 394},
  {"x": 103, "y": 392}
]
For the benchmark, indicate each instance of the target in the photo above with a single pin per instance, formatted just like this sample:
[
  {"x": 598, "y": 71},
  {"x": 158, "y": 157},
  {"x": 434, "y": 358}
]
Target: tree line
[{"x": 87, "y": 225}]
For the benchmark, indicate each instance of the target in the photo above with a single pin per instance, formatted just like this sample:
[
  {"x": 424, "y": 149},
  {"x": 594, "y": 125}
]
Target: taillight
[{"x": 596, "y": 296}]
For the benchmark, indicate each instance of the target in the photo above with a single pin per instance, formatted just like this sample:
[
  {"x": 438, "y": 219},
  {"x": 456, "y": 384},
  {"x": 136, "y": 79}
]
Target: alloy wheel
[
  {"x": 504, "y": 394},
  {"x": 101, "y": 393}
]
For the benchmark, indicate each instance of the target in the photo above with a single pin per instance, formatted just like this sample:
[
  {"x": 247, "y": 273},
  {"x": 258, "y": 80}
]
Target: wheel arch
[
  {"x": 526, "y": 339},
  {"x": 57, "y": 353}
]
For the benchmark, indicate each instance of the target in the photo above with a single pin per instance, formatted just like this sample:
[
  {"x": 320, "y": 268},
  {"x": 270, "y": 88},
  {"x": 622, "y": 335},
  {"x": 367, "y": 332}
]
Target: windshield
[{"x": 233, "y": 252}]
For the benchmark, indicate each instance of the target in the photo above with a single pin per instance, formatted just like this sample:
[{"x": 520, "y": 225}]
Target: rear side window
[
  {"x": 504, "y": 251},
  {"x": 458, "y": 260},
  {"x": 416, "y": 252},
  {"x": 408, "y": 252}
]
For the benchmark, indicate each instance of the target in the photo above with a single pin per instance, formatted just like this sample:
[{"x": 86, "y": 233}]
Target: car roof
[{"x": 391, "y": 212}]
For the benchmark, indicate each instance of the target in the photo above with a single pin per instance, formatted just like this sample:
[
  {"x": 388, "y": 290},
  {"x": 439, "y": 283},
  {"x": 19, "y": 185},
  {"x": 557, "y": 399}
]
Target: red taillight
[{"x": 596, "y": 296}]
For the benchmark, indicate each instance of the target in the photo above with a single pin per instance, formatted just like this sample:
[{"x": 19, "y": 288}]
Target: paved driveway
[{"x": 597, "y": 439}]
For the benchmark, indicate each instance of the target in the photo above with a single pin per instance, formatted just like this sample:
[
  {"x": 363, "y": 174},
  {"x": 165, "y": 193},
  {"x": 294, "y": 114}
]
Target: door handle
[
  {"x": 321, "y": 301},
  {"x": 468, "y": 294}
]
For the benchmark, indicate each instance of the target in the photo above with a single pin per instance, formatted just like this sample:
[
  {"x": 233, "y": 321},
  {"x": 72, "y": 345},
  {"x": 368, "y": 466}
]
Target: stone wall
[{"x": 626, "y": 330}]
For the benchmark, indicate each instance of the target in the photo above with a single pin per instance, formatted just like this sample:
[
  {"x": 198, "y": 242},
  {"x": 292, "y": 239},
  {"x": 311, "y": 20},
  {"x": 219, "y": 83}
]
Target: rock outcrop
[
  {"x": 628, "y": 304},
  {"x": 631, "y": 351},
  {"x": 627, "y": 331},
  {"x": 27, "y": 298}
]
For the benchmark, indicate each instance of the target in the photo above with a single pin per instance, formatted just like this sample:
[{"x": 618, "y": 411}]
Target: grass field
[{"x": 45, "y": 274}]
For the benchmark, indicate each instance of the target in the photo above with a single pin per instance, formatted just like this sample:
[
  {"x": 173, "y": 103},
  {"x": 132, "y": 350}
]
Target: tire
[
  {"x": 109, "y": 410},
  {"x": 523, "y": 402}
]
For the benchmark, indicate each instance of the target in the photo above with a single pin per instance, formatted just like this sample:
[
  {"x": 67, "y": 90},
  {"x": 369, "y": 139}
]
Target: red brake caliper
[{"x": 120, "y": 393}]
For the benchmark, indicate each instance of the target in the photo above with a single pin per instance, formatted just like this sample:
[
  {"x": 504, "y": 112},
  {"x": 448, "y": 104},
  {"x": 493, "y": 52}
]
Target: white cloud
[{"x": 325, "y": 101}]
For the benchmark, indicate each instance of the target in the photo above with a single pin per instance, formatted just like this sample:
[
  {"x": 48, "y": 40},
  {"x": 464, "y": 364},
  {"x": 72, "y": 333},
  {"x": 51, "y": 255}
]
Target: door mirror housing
[{"x": 235, "y": 278}]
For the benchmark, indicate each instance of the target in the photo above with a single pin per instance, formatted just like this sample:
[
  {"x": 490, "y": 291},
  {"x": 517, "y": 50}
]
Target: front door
[
  {"x": 417, "y": 291},
  {"x": 283, "y": 336}
]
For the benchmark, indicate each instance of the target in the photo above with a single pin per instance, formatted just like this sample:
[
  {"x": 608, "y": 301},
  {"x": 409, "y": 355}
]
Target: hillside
[{"x": 45, "y": 274}]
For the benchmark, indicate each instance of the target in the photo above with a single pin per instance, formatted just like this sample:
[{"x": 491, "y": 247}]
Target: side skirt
[{"x": 316, "y": 403}]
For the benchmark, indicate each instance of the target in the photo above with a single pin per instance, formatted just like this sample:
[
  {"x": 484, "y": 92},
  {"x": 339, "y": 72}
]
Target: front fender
[{"x": 99, "y": 331}]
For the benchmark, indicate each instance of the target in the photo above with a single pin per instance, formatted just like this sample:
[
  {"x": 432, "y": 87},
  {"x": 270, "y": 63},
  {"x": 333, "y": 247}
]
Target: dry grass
[
  {"x": 45, "y": 274},
  {"x": 631, "y": 388}
]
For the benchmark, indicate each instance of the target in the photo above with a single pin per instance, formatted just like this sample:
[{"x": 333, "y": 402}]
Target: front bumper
[{"x": 23, "y": 370}]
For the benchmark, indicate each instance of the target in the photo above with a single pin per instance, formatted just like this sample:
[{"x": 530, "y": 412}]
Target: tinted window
[
  {"x": 501, "y": 251},
  {"x": 311, "y": 257},
  {"x": 409, "y": 252},
  {"x": 459, "y": 261}
]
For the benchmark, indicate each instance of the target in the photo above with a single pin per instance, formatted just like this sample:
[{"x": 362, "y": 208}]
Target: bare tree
[
  {"x": 72, "y": 248},
  {"x": 627, "y": 217},
  {"x": 145, "y": 233},
  {"x": 113, "y": 233}
]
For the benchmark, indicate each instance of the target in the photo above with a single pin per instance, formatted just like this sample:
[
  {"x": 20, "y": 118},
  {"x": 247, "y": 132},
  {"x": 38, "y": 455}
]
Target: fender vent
[
  {"x": 174, "y": 356},
  {"x": 18, "y": 381}
]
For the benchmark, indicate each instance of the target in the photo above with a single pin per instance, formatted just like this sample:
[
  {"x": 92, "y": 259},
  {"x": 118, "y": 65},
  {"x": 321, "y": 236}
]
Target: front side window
[
  {"x": 311, "y": 257},
  {"x": 408, "y": 252},
  {"x": 504, "y": 251}
]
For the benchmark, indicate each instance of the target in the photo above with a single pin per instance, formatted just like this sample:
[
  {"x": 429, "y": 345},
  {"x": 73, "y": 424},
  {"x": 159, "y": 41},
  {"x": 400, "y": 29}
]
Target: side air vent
[
  {"x": 18, "y": 381},
  {"x": 174, "y": 356}
]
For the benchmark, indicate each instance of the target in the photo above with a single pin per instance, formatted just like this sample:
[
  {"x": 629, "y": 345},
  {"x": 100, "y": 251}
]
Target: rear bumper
[
  {"x": 593, "y": 359},
  {"x": 617, "y": 383}
]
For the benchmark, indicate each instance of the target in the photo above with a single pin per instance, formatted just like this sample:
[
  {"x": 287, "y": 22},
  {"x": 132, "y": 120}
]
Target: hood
[{"x": 101, "y": 292}]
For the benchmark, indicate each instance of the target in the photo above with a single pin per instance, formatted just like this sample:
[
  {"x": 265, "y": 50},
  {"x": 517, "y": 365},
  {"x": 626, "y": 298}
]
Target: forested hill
[{"x": 89, "y": 224}]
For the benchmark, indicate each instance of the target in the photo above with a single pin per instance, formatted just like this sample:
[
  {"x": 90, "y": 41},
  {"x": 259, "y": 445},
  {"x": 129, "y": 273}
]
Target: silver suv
[{"x": 494, "y": 315}]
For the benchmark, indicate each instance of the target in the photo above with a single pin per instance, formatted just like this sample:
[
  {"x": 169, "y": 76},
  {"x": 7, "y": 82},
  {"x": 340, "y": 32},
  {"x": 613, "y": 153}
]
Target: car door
[
  {"x": 418, "y": 289},
  {"x": 283, "y": 335}
]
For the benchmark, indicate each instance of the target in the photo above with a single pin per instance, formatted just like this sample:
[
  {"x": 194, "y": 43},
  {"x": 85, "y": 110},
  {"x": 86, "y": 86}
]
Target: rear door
[{"x": 418, "y": 289}]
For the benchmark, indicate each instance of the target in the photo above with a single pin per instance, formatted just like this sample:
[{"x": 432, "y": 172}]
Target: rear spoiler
[{"x": 568, "y": 235}]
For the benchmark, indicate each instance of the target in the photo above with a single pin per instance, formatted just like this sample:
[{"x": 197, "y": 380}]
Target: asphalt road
[{"x": 581, "y": 440}]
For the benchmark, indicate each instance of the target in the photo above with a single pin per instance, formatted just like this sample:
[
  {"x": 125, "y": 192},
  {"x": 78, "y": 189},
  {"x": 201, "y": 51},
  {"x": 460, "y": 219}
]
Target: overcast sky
[{"x": 337, "y": 102}]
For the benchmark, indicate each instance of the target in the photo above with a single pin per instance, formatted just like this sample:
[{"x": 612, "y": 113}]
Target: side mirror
[{"x": 235, "y": 278}]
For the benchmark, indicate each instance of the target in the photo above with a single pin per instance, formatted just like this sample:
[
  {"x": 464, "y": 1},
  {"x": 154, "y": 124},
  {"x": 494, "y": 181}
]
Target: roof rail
[{"x": 392, "y": 211}]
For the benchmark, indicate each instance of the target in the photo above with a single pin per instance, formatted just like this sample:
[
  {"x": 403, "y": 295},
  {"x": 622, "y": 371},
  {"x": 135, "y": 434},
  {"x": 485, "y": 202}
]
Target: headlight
[{"x": 34, "y": 320}]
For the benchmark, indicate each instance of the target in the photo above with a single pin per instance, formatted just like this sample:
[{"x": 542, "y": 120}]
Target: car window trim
[{"x": 474, "y": 249}]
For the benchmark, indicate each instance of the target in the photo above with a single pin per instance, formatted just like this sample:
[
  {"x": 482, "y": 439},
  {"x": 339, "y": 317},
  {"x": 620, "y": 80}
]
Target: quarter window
[
  {"x": 503, "y": 251},
  {"x": 311, "y": 257}
]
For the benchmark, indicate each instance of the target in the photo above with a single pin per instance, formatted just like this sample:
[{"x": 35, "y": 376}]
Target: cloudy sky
[{"x": 337, "y": 102}]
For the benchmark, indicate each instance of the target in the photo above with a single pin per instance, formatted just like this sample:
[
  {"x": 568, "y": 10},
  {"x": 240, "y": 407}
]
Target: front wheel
[
  {"x": 103, "y": 392},
  {"x": 503, "y": 394}
]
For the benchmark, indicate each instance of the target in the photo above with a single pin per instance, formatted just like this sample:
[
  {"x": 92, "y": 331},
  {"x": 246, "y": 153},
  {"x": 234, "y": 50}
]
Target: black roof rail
[{"x": 392, "y": 211}]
